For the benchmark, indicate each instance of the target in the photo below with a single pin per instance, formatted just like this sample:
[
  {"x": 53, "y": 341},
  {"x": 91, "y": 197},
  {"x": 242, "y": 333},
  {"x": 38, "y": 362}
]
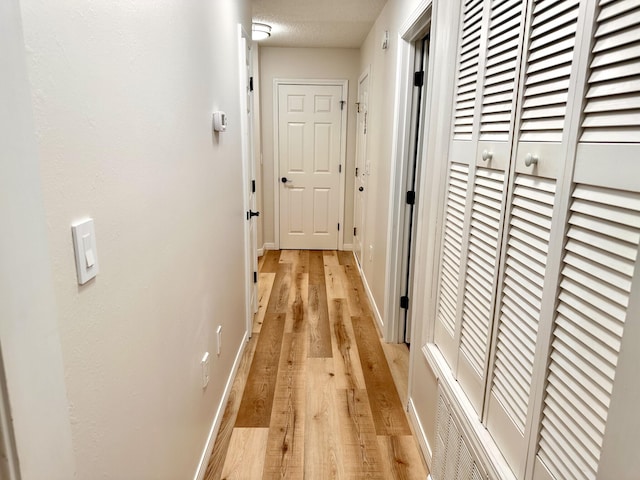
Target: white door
[
  {"x": 251, "y": 247},
  {"x": 360, "y": 190},
  {"x": 309, "y": 146}
]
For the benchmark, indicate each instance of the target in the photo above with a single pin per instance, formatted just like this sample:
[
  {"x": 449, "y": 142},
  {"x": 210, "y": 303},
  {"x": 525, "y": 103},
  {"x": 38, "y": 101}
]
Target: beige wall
[
  {"x": 305, "y": 63},
  {"x": 29, "y": 332},
  {"x": 123, "y": 94},
  {"x": 382, "y": 151}
]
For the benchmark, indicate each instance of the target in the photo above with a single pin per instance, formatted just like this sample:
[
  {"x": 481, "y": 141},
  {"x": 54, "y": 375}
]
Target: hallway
[{"x": 314, "y": 396}]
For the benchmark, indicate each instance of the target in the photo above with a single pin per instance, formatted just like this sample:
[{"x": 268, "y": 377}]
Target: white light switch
[{"x": 84, "y": 243}]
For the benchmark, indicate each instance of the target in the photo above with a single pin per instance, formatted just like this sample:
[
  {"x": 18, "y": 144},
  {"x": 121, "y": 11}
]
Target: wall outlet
[
  {"x": 219, "y": 339},
  {"x": 205, "y": 370}
]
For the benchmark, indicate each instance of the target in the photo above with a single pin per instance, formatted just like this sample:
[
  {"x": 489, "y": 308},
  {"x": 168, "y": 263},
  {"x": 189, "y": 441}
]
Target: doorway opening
[
  {"x": 413, "y": 99},
  {"x": 421, "y": 62}
]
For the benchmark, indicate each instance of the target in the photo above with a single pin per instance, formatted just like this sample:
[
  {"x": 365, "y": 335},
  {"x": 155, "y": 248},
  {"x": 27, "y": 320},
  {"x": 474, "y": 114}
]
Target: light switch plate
[{"x": 84, "y": 244}]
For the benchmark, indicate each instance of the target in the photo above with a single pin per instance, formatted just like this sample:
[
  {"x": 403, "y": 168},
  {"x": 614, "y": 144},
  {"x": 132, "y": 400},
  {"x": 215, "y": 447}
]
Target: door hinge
[
  {"x": 357, "y": 171},
  {"x": 255, "y": 277},
  {"x": 404, "y": 302},
  {"x": 411, "y": 197},
  {"x": 354, "y": 231},
  {"x": 251, "y": 84},
  {"x": 338, "y": 227},
  {"x": 340, "y": 168},
  {"x": 418, "y": 79},
  {"x": 357, "y": 107},
  {"x": 342, "y": 102},
  {"x": 253, "y": 186}
]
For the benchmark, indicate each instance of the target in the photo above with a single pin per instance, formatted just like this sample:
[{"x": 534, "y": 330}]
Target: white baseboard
[
  {"x": 260, "y": 252},
  {"x": 217, "y": 419},
  {"x": 269, "y": 246},
  {"x": 427, "y": 452},
  {"x": 347, "y": 247}
]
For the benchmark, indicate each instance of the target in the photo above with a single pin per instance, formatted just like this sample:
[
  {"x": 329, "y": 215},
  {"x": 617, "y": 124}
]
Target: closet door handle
[
  {"x": 361, "y": 189},
  {"x": 487, "y": 155},
  {"x": 531, "y": 160}
]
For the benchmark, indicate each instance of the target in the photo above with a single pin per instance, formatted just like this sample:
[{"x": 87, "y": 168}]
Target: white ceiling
[{"x": 317, "y": 23}]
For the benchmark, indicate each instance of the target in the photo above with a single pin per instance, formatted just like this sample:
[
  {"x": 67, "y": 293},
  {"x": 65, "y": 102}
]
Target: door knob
[
  {"x": 361, "y": 189},
  {"x": 487, "y": 155},
  {"x": 531, "y": 159},
  {"x": 284, "y": 179}
]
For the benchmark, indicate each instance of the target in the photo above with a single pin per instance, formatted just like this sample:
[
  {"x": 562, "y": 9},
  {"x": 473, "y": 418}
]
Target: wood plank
[
  {"x": 388, "y": 414},
  {"x": 298, "y": 259},
  {"x": 346, "y": 258},
  {"x": 221, "y": 445},
  {"x": 335, "y": 280},
  {"x": 288, "y": 256},
  {"x": 265, "y": 284},
  {"x": 345, "y": 351},
  {"x": 302, "y": 262},
  {"x": 319, "y": 328},
  {"x": 246, "y": 454},
  {"x": 401, "y": 458},
  {"x": 398, "y": 359},
  {"x": 323, "y": 455},
  {"x": 257, "y": 401},
  {"x": 298, "y": 304},
  {"x": 330, "y": 258},
  {"x": 356, "y": 295},
  {"x": 285, "y": 446},
  {"x": 358, "y": 436},
  {"x": 271, "y": 261},
  {"x": 279, "y": 298}
]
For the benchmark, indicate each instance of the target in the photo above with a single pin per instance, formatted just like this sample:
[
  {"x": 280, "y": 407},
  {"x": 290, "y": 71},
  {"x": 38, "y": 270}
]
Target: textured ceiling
[{"x": 317, "y": 23}]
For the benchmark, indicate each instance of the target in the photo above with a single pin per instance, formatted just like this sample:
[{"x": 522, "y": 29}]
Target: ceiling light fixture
[{"x": 260, "y": 31}]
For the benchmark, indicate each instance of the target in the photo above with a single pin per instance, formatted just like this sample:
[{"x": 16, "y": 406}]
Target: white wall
[
  {"x": 29, "y": 333},
  {"x": 382, "y": 150},
  {"x": 305, "y": 63},
  {"x": 123, "y": 94}
]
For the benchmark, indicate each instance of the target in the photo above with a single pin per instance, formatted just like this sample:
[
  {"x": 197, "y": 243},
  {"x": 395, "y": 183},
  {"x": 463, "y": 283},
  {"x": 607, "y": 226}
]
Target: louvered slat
[
  {"x": 499, "y": 81},
  {"x": 452, "y": 245},
  {"x": 526, "y": 257},
  {"x": 600, "y": 254},
  {"x": 481, "y": 265},
  {"x": 548, "y": 69},
  {"x": 612, "y": 110},
  {"x": 467, "y": 76}
]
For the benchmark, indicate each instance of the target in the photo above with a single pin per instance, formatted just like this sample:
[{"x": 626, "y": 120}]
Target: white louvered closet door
[
  {"x": 541, "y": 134},
  {"x": 500, "y": 67},
  {"x": 460, "y": 167},
  {"x": 600, "y": 255}
]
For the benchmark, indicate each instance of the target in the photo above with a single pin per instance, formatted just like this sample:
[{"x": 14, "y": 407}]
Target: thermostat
[{"x": 219, "y": 121}]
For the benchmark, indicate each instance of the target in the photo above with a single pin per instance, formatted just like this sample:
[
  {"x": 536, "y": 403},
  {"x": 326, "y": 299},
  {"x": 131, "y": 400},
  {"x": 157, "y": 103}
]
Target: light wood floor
[{"x": 315, "y": 397}]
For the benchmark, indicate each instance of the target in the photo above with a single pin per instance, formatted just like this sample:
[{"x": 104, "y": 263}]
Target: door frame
[
  {"x": 418, "y": 24},
  {"x": 276, "y": 149}
]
